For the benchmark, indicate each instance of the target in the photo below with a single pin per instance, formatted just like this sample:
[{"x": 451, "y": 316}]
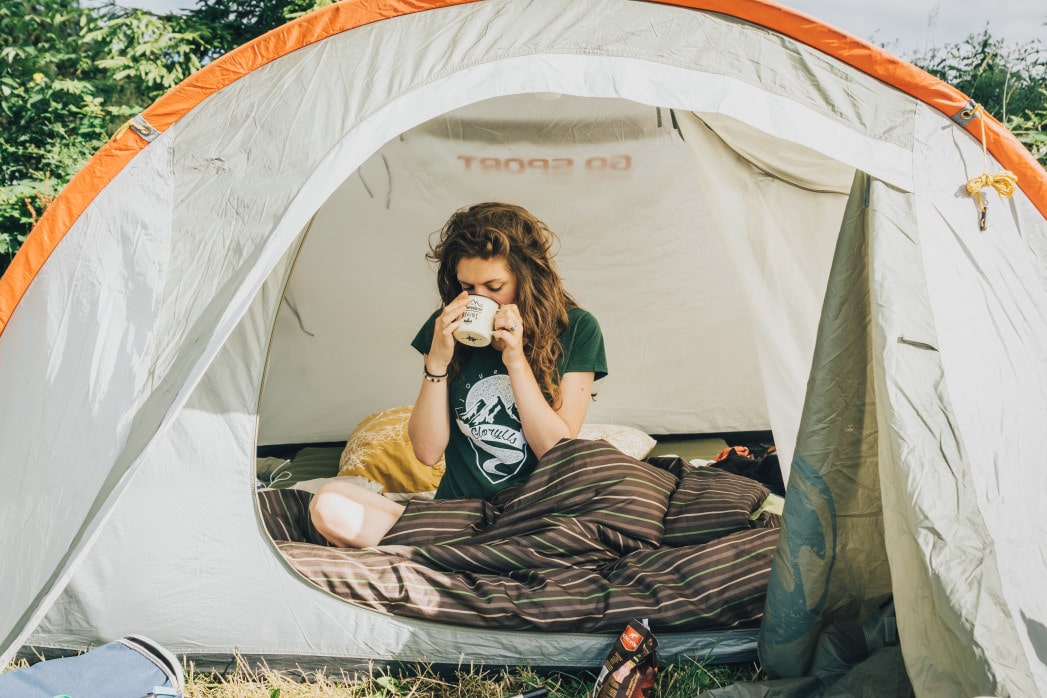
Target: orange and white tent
[{"x": 769, "y": 218}]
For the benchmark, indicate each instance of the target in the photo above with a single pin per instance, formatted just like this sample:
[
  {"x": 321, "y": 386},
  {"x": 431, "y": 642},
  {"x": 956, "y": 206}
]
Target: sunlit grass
[{"x": 683, "y": 679}]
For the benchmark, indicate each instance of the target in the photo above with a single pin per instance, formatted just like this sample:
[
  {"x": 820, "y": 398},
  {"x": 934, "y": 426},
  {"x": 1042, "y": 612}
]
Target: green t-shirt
[{"x": 487, "y": 451}]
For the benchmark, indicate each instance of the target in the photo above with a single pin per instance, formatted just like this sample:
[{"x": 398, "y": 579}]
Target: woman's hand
[
  {"x": 508, "y": 336},
  {"x": 442, "y": 349}
]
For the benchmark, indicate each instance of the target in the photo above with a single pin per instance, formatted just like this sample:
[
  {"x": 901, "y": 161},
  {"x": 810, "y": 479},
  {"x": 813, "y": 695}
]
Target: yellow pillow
[{"x": 379, "y": 449}]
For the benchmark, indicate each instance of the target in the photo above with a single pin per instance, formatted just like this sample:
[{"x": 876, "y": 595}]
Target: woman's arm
[
  {"x": 430, "y": 425},
  {"x": 544, "y": 426}
]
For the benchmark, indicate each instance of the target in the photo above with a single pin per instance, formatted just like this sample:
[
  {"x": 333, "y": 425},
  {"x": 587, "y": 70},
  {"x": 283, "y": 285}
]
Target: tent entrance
[
  {"x": 701, "y": 244},
  {"x": 689, "y": 236}
]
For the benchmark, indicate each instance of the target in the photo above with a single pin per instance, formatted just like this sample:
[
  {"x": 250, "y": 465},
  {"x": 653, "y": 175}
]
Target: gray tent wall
[
  {"x": 879, "y": 472},
  {"x": 168, "y": 543},
  {"x": 833, "y": 543}
]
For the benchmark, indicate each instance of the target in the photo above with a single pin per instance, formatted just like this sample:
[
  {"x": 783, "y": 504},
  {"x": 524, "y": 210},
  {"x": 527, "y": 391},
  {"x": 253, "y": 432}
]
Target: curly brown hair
[{"x": 491, "y": 230}]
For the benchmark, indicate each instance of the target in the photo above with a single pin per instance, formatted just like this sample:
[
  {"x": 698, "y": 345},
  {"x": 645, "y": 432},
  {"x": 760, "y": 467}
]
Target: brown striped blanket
[{"x": 593, "y": 539}]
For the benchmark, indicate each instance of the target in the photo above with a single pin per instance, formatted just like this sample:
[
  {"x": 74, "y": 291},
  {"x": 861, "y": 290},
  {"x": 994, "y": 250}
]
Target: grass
[{"x": 684, "y": 679}]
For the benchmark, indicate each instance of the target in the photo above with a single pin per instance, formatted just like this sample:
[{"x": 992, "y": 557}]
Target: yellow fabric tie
[
  {"x": 1003, "y": 182},
  {"x": 120, "y": 131}
]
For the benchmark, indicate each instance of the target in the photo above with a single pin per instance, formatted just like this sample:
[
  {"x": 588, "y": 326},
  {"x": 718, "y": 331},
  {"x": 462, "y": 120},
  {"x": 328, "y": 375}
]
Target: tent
[{"x": 769, "y": 218}]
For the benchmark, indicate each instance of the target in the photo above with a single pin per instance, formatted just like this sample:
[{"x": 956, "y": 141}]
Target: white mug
[{"x": 477, "y": 321}]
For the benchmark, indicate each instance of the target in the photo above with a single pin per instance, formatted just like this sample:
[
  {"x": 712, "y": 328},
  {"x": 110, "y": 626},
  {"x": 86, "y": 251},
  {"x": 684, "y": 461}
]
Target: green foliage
[
  {"x": 1010, "y": 82},
  {"x": 69, "y": 77},
  {"x": 144, "y": 54},
  {"x": 235, "y": 22}
]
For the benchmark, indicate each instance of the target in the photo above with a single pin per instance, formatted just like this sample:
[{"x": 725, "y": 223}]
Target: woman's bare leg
[{"x": 351, "y": 516}]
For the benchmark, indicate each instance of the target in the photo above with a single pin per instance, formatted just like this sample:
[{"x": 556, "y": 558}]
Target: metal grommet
[
  {"x": 967, "y": 114},
  {"x": 143, "y": 128}
]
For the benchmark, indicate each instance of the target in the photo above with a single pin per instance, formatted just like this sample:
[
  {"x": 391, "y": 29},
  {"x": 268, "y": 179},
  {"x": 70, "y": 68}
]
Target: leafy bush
[
  {"x": 235, "y": 22},
  {"x": 69, "y": 77},
  {"x": 1010, "y": 82}
]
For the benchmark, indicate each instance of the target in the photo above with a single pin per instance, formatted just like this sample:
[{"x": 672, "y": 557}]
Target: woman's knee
[
  {"x": 351, "y": 516},
  {"x": 320, "y": 505},
  {"x": 331, "y": 504}
]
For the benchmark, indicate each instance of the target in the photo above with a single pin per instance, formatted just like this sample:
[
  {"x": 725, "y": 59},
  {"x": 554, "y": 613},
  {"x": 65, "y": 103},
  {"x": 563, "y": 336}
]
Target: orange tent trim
[{"x": 346, "y": 15}]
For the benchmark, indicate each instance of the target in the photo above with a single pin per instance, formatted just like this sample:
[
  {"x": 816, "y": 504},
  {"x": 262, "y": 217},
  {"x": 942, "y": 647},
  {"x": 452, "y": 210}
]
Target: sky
[
  {"x": 904, "y": 27},
  {"x": 907, "y": 27}
]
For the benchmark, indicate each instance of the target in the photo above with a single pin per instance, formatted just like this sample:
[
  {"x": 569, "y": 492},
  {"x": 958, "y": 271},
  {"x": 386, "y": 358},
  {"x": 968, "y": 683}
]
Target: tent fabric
[
  {"x": 788, "y": 273},
  {"x": 963, "y": 480},
  {"x": 190, "y": 296},
  {"x": 343, "y": 16},
  {"x": 833, "y": 502}
]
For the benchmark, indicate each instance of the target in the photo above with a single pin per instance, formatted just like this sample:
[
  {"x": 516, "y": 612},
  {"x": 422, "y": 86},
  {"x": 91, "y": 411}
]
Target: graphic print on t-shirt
[{"x": 490, "y": 422}]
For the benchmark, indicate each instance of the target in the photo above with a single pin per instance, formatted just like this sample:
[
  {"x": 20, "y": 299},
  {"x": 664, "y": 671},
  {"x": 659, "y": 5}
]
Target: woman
[{"x": 491, "y": 411}]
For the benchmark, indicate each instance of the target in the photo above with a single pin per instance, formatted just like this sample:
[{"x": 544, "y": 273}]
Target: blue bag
[{"x": 131, "y": 667}]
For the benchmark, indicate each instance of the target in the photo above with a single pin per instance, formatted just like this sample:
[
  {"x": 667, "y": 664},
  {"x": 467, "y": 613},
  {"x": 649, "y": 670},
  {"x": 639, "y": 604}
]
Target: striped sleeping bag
[{"x": 593, "y": 539}]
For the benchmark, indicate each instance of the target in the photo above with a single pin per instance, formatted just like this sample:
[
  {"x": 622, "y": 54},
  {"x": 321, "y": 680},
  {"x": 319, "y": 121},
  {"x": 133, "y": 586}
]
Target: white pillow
[
  {"x": 628, "y": 440},
  {"x": 314, "y": 484}
]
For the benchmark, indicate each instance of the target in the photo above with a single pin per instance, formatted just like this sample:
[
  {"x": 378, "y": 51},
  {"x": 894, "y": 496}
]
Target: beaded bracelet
[{"x": 433, "y": 377}]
